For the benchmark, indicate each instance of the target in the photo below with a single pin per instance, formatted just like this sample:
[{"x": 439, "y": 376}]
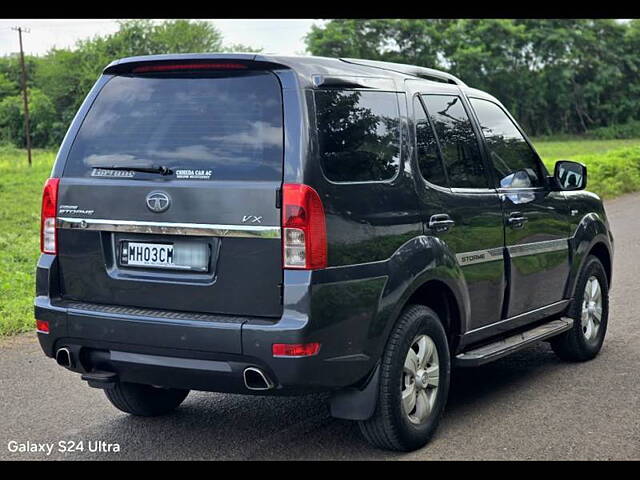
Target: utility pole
[{"x": 27, "y": 128}]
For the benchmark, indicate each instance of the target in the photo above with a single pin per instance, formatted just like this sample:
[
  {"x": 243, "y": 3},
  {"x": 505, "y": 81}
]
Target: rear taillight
[
  {"x": 42, "y": 326},
  {"x": 304, "y": 230},
  {"x": 48, "y": 235},
  {"x": 295, "y": 349}
]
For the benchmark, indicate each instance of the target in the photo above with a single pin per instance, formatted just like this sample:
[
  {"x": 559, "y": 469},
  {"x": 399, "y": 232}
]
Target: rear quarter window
[
  {"x": 227, "y": 124},
  {"x": 358, "y": 135}
]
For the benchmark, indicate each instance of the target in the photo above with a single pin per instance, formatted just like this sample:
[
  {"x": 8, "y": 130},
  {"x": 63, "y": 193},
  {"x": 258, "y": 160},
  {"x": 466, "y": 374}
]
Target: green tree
[
  {"x": 404, "y": 40},
  {"x": 42, "y": 115},
  {"x": 65, "y": 76},
  {"x": 7, "y": 87},
  {"x": 11, "y": 71},
  {"x": 554, "y": 75},
  {"x": 239, "y": 48},
  {"x": 143, "y": 37}
]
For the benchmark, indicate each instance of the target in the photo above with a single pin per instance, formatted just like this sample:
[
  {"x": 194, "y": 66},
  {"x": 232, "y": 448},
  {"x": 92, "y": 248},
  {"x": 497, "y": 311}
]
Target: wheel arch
[
  {"x": 600, "y": 250},
  {"x": 437, "y": 282},
  {"x": 591, "y": 237},
  {"x": 433, "y": 289},
  {"x": 440, "y": 297},
  {"x": 423, "y": 271}
]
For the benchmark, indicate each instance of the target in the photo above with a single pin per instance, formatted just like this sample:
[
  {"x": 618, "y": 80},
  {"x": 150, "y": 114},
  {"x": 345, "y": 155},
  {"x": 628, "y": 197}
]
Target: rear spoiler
[{"x": 164, "y": 62}]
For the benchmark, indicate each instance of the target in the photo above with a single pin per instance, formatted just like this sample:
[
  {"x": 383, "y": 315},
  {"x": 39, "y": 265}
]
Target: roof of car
[{"x": 314, "y": 71}]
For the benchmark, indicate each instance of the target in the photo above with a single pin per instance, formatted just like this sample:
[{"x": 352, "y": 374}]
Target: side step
[{"x": 505, "y": 346}]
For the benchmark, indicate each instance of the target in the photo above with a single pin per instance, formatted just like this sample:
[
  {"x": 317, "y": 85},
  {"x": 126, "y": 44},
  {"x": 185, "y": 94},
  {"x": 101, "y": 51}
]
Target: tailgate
[{"x": 203, "y": 235}]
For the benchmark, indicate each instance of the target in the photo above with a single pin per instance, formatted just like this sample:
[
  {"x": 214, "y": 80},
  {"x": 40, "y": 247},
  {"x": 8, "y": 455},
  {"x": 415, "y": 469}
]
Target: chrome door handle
[
  {"x": 517, "y": 220},
  {"x": 441, "y": 222}
]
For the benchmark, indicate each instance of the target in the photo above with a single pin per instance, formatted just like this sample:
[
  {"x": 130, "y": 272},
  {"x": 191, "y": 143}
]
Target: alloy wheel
[
  {"x": 591, "y": 315},
  {"x": 420, "y": 377}
]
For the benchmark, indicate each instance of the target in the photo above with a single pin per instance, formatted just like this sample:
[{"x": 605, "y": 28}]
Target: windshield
[{"x": 218, "y": 127}]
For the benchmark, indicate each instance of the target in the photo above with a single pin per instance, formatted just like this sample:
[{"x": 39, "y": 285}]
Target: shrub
[
  {"x": 614, "y": 172},
  {"x": 42, "y": 116},
  {"x": 612, "y": 132}
]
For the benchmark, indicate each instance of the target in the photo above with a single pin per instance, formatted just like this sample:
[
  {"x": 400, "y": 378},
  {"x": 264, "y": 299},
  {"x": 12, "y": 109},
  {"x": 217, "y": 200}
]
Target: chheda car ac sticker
[{"x": 191, "y": 174}]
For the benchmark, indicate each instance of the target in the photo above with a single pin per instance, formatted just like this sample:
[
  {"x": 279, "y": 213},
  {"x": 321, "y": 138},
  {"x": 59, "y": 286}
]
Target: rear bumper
[
  {"x": 210, "y": 352},
  {"x": 191, "y": 354}
]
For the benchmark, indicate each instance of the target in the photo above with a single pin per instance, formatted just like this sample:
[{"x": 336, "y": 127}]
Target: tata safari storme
[{"x": 281, "y": 225}]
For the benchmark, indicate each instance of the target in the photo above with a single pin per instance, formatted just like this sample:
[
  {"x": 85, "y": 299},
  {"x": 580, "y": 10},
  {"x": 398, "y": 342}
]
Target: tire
[
  {"x": 583, "y": 342},
  {"x": 145, "y": 400},
  {"x": 391, "y": 427}
]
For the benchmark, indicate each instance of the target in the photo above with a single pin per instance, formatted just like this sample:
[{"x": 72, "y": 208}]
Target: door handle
[
  {"x": 441, "y": 222},
  {"x": 517, "y": 220}
]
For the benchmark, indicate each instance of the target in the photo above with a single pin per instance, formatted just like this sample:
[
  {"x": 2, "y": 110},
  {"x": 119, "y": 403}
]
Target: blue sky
[{"x": 273, "y": 35}]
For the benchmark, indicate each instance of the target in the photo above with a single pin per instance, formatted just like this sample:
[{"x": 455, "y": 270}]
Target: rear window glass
[
  {"x": 219, "y": 127},
  {"x": 358, "y": 134}
]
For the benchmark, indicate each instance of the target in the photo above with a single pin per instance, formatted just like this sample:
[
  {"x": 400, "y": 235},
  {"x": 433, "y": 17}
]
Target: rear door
[
  {"x": 537, "y": 222},
  {"x": 199, "y": 231},
  {"x": 459, "y": 205}
]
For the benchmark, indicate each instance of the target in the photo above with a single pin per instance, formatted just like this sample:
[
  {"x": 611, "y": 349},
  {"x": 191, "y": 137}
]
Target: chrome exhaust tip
[
  {"x": 255, "y": 379},
  {"x": 63, "y": 357}
]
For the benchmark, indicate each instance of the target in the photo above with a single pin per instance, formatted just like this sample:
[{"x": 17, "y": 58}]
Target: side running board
[{"x": 505, "y": 346}]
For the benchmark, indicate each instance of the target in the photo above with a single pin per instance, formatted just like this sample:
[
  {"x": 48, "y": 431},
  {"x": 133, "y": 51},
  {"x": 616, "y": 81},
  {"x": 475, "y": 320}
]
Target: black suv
[{"x": 280, "y": 225}]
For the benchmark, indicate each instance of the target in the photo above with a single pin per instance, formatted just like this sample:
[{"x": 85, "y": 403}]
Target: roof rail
[{"x": 414, "y": 70}]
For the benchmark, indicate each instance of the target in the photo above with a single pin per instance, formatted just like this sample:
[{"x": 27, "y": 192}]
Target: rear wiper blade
[{"x": 161, "y": 169}]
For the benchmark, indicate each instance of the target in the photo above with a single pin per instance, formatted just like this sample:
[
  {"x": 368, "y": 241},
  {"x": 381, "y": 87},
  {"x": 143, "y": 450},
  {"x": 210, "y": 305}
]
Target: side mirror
[{"x": 570, "y": 175}]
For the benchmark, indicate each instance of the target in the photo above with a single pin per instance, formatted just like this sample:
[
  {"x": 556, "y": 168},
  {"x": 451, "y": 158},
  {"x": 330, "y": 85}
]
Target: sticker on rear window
[
  {"x": 191, "y": 174},
  {"x": 101, "y": 172}
]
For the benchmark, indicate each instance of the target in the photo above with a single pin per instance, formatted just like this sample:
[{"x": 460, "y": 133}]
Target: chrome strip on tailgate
[{"x": 170, "y": 228}]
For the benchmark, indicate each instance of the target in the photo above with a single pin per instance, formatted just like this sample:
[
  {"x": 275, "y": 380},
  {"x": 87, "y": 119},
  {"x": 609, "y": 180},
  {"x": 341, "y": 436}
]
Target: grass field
[
  {"x": 613, "y": 169},
  {"x": 20, "y": 197},
  {"x": 613, "y": 166},
  {"x": 551, "y": 151}
]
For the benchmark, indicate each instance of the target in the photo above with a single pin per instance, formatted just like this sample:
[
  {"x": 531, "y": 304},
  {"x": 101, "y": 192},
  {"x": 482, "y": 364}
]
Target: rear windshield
[{"x": 202, "y": 127}]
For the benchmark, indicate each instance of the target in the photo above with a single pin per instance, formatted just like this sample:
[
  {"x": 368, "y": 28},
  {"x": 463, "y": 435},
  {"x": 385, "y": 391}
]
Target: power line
[{"x": 27, "y": 128}]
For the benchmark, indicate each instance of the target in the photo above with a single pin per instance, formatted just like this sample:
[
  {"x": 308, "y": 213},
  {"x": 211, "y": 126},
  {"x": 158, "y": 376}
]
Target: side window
[
  {"x": 459, "y": 144},
  {"x": 358, "y": 135},
  {"x": 515, "y": 164},
  {"x": 429, "y": 161}
]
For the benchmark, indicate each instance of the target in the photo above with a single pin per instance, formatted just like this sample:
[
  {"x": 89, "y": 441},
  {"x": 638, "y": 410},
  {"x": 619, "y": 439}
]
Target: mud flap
[{"x": 354, "y": 403}]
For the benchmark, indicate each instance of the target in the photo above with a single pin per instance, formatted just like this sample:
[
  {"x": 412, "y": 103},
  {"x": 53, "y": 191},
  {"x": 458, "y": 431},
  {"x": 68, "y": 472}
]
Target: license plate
[
  {"x": 147, "y": 254},
  {"x": 179, "y": 255}
]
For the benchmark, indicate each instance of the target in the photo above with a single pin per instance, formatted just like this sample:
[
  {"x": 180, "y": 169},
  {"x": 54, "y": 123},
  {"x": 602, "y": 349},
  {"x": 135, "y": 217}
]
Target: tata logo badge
[{"x": 158, "y": 202}]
